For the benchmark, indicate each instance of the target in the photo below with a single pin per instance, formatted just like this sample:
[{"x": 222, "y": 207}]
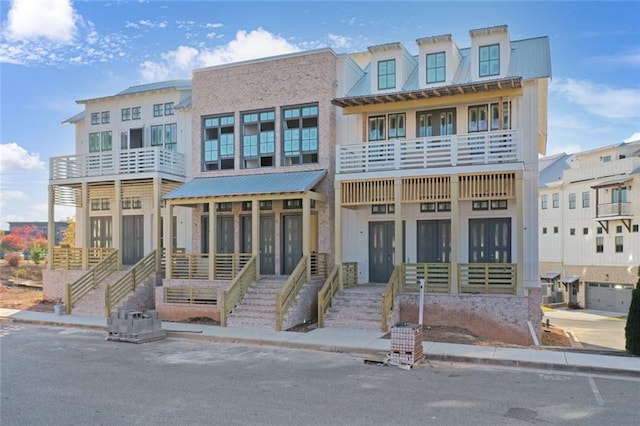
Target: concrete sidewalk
[{"x": 367, "y": 343}]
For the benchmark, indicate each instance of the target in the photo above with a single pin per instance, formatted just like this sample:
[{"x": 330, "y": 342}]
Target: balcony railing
[
  {"x": 132, "y": 161},
  {"x": 440, "y": 151},
  {"x": 613, "y": 209}
]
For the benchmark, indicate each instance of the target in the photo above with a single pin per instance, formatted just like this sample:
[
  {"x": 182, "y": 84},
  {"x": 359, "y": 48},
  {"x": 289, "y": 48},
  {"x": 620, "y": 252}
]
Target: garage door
[{"x": 609, "y": 297}]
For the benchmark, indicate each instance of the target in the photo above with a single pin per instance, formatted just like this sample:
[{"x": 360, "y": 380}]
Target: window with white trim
[
  {"x": 489, "y": 60},
  {"x": 436, "y": 67},
  {"x": 387, "y": 74}
]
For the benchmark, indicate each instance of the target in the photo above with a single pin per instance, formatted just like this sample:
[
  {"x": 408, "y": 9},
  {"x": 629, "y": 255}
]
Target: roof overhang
[
  {"x": 613, "y": 182},
  {"x": 569, "y": 279},
  {"x": 431, "y": 93},
  {"x": 550, "y": 275}
]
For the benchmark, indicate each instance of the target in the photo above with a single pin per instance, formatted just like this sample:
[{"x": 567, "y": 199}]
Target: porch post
[
  {"x": 212, "y": 239},
  {"x": 157, "y": 223},
  {"x": 520, "y": 226},
  {"x": 255, "y": 233},
  {"x": 337, "y": 204},
  {"x": 116, "y": 236},
  {"x": 306, "y": 232},
  {"x": 51, "y": 228},
  {"x": 455, "y": 233},
  {"x": 168, "y": 232},
  {"x": 398, "y": 235},
  {"x": 86, "y": 218}
]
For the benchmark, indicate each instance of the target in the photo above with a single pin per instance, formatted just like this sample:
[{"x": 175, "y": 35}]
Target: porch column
[
  {"x": 212, "y": 239},
  {"x": 306, "y": 232},
  {"x": 337, "y": 202},
  {"x": 255, "y": 233},
  {"x": 51, "y": 228},
  {"x": 86, "y": 218},
  {"x": 157, "y": 223},
  {"x": 168, "y": 232},
  {"x": 116, "y": 237},
  {"x": 520, "y": 226},
  {"x": 398, "y": 234},
  {"x": 454, "y": 256}
]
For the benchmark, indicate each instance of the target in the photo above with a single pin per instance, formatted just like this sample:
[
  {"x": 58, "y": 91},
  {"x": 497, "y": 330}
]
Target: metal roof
[
  {"x": 256, "y": 184},
  {"x": 550, "y": 275},
  {"x": 75, "y": 119},
  {"x": 570, "y": 279},
  {"x": 551, "y": 169},
  {"x": 170, "y": 84}
]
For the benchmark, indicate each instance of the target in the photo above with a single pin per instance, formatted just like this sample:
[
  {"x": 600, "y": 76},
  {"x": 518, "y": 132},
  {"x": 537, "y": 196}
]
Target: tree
[
  {"x": 38, "y": 250},
  {"x": 69, "y": 236},
  {"x": 632, "y": 329}
]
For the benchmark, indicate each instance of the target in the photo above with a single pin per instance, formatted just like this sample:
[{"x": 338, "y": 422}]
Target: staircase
[
  {"x": 258, "y": 307},
  {"x": 356, "y": 308},
  {"x": 92, "y": 304}
]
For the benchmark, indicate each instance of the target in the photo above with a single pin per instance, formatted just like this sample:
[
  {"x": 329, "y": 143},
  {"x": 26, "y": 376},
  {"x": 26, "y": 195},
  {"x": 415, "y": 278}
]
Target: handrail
[
  {"x": 89, "y": 281},
  {"x": 70, "y": 258},
  {"x": 238, "y": 287},
  {"x": 115, "y": 292},
  {"x": 327, "y": 293},
  {"x": 487, "y": 278},
  {"x": 287, "y": 295},
  {"x": 393, "y": 287}
]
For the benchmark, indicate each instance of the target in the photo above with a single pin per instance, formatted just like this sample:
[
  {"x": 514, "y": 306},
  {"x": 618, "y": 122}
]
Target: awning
[
  {"x": 254, "y": 184},
  {"x": 550, "y": 275},
  {"x": 569, "y": 279},
  {"x": 613, "y": 182}
]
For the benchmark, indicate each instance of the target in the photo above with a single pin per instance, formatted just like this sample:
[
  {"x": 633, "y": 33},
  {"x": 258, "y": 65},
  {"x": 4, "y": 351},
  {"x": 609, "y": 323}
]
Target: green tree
[
  {"x": 38, "y": 251},
  {"x": 69, "y": 236},
  {"x": 632, "y": 329}
]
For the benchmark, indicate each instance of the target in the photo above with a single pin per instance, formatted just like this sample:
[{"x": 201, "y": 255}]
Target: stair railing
[
  {"x": 288, "y": 294},
  {"x": 114, "y": 293},
  {"x": 328, "y": 292},
  {"x": 389, "y": 295},
  {"x": 90, "y": 281},
  {"x": 234, "y": 294}
]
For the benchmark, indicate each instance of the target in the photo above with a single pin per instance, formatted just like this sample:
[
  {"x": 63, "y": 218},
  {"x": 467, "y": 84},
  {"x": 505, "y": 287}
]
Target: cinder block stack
[
  {"x": 132, "y": 326},
  {"x": 406, "y": 344}
]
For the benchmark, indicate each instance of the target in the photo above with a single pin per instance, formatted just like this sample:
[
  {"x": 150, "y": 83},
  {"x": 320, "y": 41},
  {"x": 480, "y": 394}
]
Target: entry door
[
  {"x": 291, "y": 242},
  {"x": 381, "y": 251},
  {"x": 100, "y": 232},
  {"x": 132, "y": 239},
  {"x": 434, "y": 241},
  {"x": 267, "y": 245},
  {"x": 224, "y": 235},
  {"x": 490, "y": 240},
  {"x": 245, "y": 234}
]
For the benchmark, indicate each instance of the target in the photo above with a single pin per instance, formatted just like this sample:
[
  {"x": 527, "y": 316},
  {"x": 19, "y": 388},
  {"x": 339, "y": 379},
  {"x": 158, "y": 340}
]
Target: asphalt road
[
  {"x": 58, "y": 376},
  {"x": 592, "y": 329}
]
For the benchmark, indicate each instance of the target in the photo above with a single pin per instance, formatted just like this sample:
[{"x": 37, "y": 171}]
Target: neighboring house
[
  {"x": 130, "y": 149},
  {"x": 588, "y": 233},
  {"x": 37, "y": 227}
]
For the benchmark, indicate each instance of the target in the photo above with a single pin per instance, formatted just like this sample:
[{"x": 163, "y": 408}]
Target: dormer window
[
  {"x": 489, "y": 60},
  {"x": 387, "y": 74},
  {"x": 436, "y": 67}
]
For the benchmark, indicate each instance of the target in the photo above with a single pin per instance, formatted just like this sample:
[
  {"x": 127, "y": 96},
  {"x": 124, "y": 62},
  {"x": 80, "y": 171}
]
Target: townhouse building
[{"x": 589, "y": 217}]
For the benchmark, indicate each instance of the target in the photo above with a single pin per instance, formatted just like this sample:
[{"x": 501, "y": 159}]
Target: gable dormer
[
  {"x": 438, "y": 58},
  {"x": 391, "y": 65},
  {"x": 490, "y": 53}
]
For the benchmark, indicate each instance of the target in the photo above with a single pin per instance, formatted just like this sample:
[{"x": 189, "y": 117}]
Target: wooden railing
[
  {"x": 89, "y": 281},
  {"x": 290, "y": 290},
  {"x": 71, "y": 258},
  {"x": 327, "y": 293},
  {"x": 349, "y": 274},
  {"x": 195, "y": 266},
  {"x": 191, "y": 295},
  {"x": 319, "y": 264},
  {"x": 437, "y": 277},
  {"x": 389, "y": 295},
  {"x": 487, "y": 278},
  {"x": 228, "y": 265},
  {"x": 234, "y": 294},
  {"x": 135, "y": 276}
]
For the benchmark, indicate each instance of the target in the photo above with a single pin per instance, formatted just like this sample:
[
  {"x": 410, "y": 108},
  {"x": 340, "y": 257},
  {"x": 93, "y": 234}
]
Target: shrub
[
  {"x": 13, "y": 259},
  {"x": 37, "y": 253},
  {"x": 632, "y": 329}
]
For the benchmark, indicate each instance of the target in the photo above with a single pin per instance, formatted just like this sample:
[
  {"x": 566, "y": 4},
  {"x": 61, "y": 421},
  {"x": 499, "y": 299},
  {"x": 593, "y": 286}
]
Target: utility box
[{"x": 406, "y": 344}]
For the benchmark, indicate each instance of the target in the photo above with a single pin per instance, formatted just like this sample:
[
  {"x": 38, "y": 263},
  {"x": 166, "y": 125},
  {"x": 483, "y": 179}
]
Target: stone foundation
[
  {"x": 184, "y": 311},
  {"x": 54, "y": 282}
]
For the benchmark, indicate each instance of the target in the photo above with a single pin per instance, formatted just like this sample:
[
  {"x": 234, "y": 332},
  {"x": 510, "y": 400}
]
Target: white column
[
  {"x": 212, "y": 239},
  {"x": 116, "y": 237},
  {"x": 86, "y": 213},
  {"x": 168, "y": 237},
  {"x": 398, "y": 234},
  {"x": 255, "y": 233},
  {"x": 306, "y": 237},
  {"x": 454, "y": 257},
  {"x": 337, "y": 190},
  {"x": 520, "y": 226},
  {"x": 157, "y": 223},
  {"x": 51, "y": 228}
]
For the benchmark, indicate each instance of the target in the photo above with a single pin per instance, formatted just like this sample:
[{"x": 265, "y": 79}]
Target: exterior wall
[
  {"x": 185, "y": 312},
  {"x": 305, "y": 307},
  {"x": 54, "y": 282}
]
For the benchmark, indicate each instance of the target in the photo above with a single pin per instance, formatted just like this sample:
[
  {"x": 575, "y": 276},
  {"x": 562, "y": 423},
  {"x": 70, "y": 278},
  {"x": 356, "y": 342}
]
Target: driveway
[{"x": 590, "y": 328}]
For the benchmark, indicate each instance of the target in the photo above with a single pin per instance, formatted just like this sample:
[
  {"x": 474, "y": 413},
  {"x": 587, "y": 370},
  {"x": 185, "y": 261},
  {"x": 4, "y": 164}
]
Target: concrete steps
[
  {"x": 258, "y": 307},
  {"x": 92, "y": 304},
  {"x": 357, "y": 308}
]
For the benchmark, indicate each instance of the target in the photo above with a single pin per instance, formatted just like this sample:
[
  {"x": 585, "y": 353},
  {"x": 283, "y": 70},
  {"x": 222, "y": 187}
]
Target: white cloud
[
  {"x": 247, "y": 45},
  {"x": 54, "y": 20},
  {"x": 338, "y": 41},
  {"x": 15, "y": 158},
  {"x": 13, "y": 194},
  {"x": 599, "y": 99},
  {"x": 216, "y": 25}
]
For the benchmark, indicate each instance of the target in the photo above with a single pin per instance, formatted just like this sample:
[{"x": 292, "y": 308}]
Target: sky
[{"x": 54, "y": 52}]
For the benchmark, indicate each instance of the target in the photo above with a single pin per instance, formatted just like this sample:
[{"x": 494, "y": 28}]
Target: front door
[
  {"x": 490, "y": 240},
  {"x": 267, "y": 245},
  {"x": 434, "y": 241},
  {"x": 101, "y": 232},
  {"x": 224, "y": 235},
  {"x": 381, "y": 251},
  {"x": 132, "y": 239},
  {"x": 245, "y": 234},
  {"x": 291, "y": 242}
]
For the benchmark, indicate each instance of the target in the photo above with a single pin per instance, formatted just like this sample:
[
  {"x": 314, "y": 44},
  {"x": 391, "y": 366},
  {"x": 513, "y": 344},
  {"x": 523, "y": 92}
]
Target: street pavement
[
  {"x": 368, "y": 343},
  {"x": 590, "y": 328}
]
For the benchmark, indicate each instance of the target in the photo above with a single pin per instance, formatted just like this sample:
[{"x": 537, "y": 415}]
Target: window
[
  {"x": 585, "y": 199},
  {"x": 619, "y": 229},
  {"x": 131, "y": 203},
  {"x": 106, "y": 142},
  {"x": 379, "y": 209},
  {"x": 95, "y": 118},
  {"x": 478, "y": 118},
  {"x": 599, "y": 244},
  {"x": 300, "y": 134},
  {"x": 544, "y": 230},
  {"x": 572, "y": 231},
  {"x": 246, "y": 206},
  {"x": 98, "y": 204},
  {"x": 444, "y": 206},
  {"x": 634, "y": 228},
  {"x": 387, "y": 74},
  {"x": 168, "y": 108},
  {"x": 296, "y": 203},
  {"x": 427, "y": 207},
  {"x": 171, "y": 136},
  {"x": 266, "y": 205},
  {"x": 555, "y": 229},
  {"x": 436, "y": 67},
  {"x": 489, "y": 60},
  {"x": 135, "y": 113},
  {"x": 223, "y": 207},
  {"x": 585, "y": 231},
  {"x": 156, "y": 135},
  {"x": 125, "y": 114},
  {"x": 94, "y": 142},
  {"x": 124, "y": 140},
  {"x": 619, "y": 246},
  {"x": 480, "y": 205},
  {"x": 572, "y": 201},
  {"x": 544, "y": 201},
  {"x": 556, "y": 200},
  {"x": 606, "y": 158},
  {"x": 599, "y": 230},
  {"x": 619, "y": 195},
  {"x": 258, "y": 139},
  {"x": 396, "y": 126},
  {"x": 157, "y": 110},
  {"x": 498, "y": 204},
  {"x": 105, "y": 117},
  {"x": 376, "y": 128},
  {"x": 218, "y": 142}
]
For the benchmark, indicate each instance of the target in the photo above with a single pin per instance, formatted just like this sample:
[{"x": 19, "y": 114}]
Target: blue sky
[{"x": 54, "y": 52}]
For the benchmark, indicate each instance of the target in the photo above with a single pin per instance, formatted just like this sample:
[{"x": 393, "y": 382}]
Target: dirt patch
[
  {"x": 553, "y": 336},
  {"x": 15, "y": 296}
]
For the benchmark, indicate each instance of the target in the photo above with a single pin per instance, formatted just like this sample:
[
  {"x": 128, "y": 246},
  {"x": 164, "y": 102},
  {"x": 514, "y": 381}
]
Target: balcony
[
  {"x": 613, "y": 210},
  {"x": 127, "y": 162},
  {"x": 440, "y": 151}
]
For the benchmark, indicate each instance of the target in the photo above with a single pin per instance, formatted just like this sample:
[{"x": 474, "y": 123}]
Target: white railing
[
  {"x": 131, "y": 161},
  {"x": 614, "y": 209},
  {"x": 440, "y": 151}
]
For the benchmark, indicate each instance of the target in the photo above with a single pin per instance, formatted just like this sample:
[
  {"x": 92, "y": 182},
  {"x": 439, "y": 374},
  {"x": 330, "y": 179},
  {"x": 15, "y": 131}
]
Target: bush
[
  {"x": 632, "y": 329},
  {"x": 37, "y": 253},
  {"x": 13, "y": 259}
]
